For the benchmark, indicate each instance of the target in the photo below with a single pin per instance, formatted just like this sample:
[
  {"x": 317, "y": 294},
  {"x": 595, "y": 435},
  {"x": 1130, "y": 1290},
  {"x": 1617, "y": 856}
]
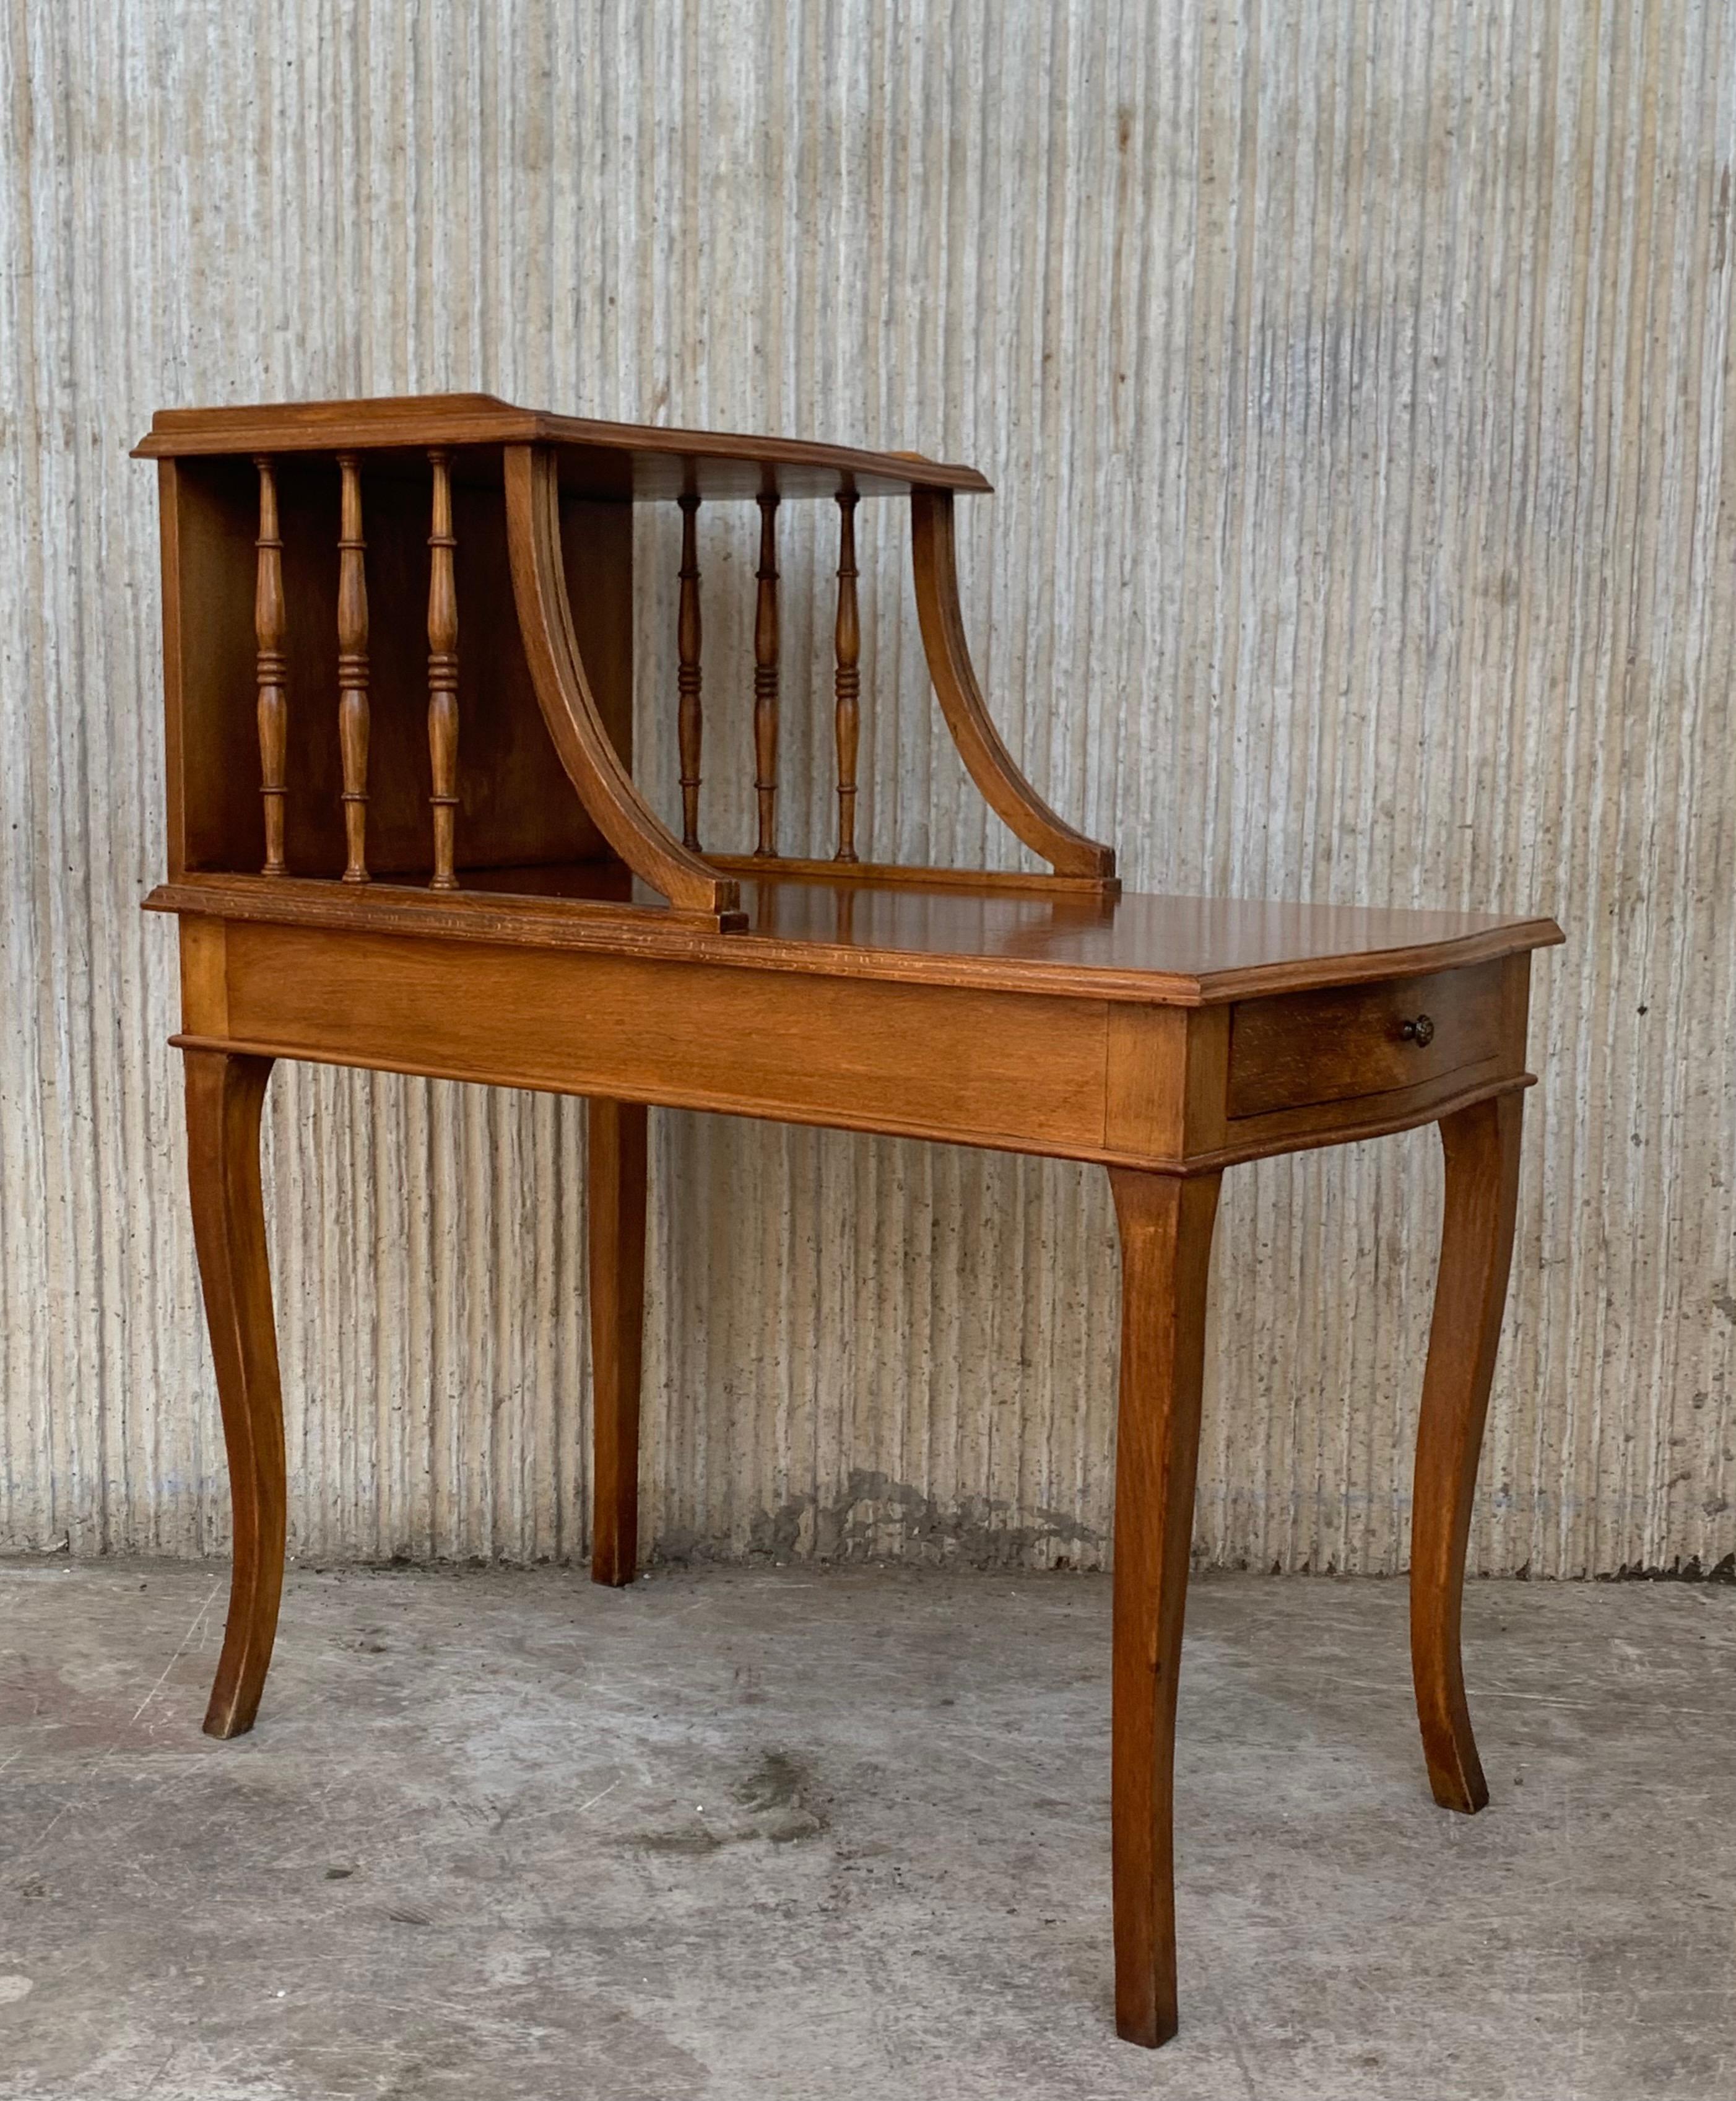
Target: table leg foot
[
  {"x": 616, "y": 1178},
  {"x": 1166, "y": 1241},
  {"x": 1481, "y": 1145},
  {"x": 225, "y": 1097}
]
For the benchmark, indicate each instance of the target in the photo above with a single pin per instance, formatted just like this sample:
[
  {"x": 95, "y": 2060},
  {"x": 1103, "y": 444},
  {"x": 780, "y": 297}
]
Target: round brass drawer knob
[{"x": 1420, "y": 1032}]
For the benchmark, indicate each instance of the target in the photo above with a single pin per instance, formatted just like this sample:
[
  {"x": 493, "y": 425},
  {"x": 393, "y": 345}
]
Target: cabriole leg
[
  {"x": 1481, "y": 1145},
  {"x": 1166, "y": 1244},
  {"x": 225, "y": 1097},
  {"x": 615, "y": 1226}
]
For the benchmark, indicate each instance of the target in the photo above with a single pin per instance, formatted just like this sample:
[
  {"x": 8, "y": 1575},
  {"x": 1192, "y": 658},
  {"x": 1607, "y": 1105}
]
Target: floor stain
[
  {"x": 774, "y": 1801},
  {"x": 775, "y": 1793}
]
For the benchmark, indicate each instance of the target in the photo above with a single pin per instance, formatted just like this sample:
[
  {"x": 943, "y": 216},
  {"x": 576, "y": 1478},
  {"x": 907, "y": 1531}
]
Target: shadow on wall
[{"x": 878, "y": 1518}]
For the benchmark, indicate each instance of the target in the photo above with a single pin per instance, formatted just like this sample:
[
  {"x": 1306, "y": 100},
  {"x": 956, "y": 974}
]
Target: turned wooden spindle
[
  {"x": 848, "y": 650},
  {"x": 352, "y": 671},
  {"x": 689, "y": 720},
  {"x": 442, "y": 676},
  {"x": 765, "y": 680},
  {"x": 271, "y": 669}
]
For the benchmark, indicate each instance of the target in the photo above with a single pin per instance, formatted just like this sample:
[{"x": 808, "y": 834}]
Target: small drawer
[{"x": 1366, "y": 1039}]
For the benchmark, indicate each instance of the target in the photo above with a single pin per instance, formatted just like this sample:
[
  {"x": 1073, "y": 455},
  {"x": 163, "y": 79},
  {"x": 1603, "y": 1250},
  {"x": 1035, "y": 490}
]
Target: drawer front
[{"x": 1369, "y": 1039}]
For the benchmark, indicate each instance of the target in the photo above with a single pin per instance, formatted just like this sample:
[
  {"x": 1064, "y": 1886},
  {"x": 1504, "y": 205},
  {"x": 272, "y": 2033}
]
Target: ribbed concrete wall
[{"x": 1356, "y": 378}]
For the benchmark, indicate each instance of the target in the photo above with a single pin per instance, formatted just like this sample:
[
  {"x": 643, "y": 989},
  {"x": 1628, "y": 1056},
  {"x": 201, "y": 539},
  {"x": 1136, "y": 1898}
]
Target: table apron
[
  {"x": 987, "y": 1067},
  {"x": 1063, "y": 1077}
]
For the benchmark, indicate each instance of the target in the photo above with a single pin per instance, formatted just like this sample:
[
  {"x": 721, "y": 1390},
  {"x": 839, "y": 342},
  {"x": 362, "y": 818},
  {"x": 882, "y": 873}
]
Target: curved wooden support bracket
[
  {"x": 593, "y": 766},
  {"x": 987, "y": 760}
]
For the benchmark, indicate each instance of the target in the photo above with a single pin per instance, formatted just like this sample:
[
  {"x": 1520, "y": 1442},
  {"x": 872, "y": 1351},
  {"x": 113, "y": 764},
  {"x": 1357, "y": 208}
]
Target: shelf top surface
[
  {"x": 643, "y": 462},
  {"x": 1185, "y": 951}
]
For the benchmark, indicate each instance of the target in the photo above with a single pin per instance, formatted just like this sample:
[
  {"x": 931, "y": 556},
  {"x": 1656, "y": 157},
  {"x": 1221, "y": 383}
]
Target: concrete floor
[{"x": 760, "y": 1833}]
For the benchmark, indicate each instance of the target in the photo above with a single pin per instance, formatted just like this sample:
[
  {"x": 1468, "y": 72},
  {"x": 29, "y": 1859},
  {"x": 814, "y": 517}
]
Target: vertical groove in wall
[{"x": 1355, "y": 386}]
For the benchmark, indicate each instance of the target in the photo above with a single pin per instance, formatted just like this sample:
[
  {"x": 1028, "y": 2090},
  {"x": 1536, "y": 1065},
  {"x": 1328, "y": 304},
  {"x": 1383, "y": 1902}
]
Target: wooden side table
[{"x": 384, "y": 620}]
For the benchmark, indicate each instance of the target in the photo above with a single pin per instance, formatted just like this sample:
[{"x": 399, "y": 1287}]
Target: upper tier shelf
[
  {"x": 643, "y": 463},
  {"x": 454, "y": 556}
]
